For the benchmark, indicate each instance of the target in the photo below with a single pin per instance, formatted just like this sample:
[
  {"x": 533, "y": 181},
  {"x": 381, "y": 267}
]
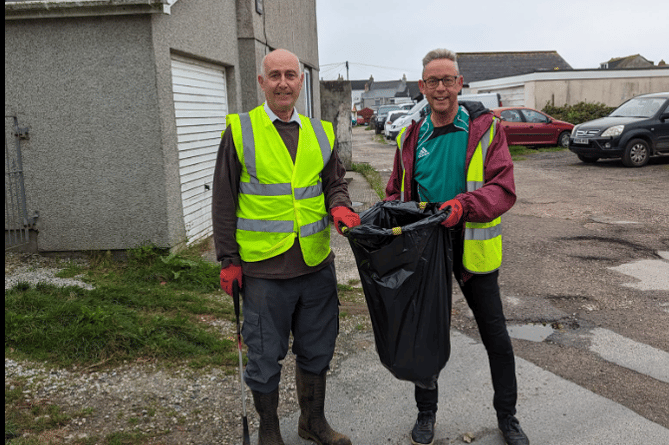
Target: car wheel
[
  {"x": 563, "y": 139},
  {"x": 588, "y": 159},
  {"x": 636, "y": 154}
]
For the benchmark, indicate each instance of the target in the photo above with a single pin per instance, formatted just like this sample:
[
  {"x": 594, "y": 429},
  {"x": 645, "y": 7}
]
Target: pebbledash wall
[
  {"x": 610, "y": 87},
  {"x": 125, "y": 102}
]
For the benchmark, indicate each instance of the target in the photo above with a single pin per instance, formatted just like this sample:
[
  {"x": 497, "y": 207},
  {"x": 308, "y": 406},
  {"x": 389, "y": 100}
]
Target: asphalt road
[{"x": 585, "y": 276}]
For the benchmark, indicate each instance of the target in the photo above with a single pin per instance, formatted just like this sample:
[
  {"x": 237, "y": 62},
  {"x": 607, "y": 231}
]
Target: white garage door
[{"x": 200, "y": 105}]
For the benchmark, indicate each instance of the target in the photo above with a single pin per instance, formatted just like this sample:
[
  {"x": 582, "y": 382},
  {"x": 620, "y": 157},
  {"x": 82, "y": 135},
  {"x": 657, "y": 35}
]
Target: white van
[
  {"x": 489, "y": 100},
  {"x": 422, "y": 108}
]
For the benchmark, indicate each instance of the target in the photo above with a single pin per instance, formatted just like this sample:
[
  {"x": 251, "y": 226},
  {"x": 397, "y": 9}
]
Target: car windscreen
[
  {"x": 642, "y": 107},
  {"x": 393, "y": 115},
  {"x": 416, "y": 107},
  {"x": 386, "y": 109}
]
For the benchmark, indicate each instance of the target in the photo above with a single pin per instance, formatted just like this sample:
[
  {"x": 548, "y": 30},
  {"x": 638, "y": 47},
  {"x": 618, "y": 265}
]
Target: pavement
[{"x": 368, "y": 404}]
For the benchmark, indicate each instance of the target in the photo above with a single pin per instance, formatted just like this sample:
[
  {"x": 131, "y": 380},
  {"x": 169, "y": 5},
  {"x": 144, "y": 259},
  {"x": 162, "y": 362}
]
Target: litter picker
[{"x": 246, "y": 439}]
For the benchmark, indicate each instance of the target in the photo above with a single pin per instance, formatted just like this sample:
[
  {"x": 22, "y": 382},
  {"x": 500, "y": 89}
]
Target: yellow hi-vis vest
[
  {"x": 280, "y": 200},
  {"x": 483, "y": 241},
  {"x": 482, "y": 251}
]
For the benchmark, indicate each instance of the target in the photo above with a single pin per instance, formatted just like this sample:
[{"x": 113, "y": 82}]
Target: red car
[{"x": 525, "y": 126}]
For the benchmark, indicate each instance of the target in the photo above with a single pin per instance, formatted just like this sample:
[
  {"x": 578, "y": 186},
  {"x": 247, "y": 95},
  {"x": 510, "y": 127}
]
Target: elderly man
[
  {"x": 458, "y": 155},
  {"x": 277, "y": 177}
]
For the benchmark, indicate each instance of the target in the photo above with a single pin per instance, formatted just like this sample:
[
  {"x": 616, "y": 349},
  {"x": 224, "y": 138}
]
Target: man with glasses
[{"x": 458, "y": 155}]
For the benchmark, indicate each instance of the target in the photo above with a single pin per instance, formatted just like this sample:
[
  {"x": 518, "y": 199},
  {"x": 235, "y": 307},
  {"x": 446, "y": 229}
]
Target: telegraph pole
[{"x": 347, "y": 70}]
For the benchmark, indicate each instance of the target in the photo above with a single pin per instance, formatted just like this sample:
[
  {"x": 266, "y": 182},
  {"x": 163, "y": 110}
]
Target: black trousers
[{"x": 483, "y": 297}]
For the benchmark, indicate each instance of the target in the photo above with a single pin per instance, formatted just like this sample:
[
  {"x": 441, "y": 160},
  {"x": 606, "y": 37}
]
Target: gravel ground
[{"x": 176, "y": 404}]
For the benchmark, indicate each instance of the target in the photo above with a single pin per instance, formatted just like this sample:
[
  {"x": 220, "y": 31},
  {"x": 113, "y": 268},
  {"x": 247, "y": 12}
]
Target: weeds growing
[
  {"x": 146, "y": 306},
  {"x": 372, "y": 176},
  {"x": 518, "y": 152}
]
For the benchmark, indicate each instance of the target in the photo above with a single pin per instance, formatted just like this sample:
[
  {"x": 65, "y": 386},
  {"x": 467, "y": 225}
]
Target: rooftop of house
[
  {"x": 634, "y": 61},
  {"x": 386, "y": 88},
  {"x": 358, "y": 84},
  {"x": 492, "y": 65}
]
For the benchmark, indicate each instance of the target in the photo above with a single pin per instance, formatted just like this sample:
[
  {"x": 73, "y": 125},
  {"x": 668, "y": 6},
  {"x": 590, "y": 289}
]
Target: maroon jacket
[{"x": 498, "y": 193}]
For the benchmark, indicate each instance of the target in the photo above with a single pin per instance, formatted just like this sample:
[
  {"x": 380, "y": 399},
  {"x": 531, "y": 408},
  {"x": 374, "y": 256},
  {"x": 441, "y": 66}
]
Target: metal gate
[{"x": 17, "y": 221}]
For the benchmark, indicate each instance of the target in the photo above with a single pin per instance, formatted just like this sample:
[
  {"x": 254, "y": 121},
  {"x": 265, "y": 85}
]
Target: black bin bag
[{"x": 404, "y": 257}]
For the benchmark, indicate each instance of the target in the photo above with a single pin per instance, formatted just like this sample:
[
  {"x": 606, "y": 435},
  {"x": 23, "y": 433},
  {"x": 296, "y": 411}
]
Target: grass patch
[
  {"x": 120, "y": 438},
  {"x": 519, "y": 152},
  {"x": 380, "y": 138},
  {"x": 71, "y": 270},
  {"x": 149, "y": 306},
  {"x": 22, "y": 416},
  {"x": 372, "y": 176}
]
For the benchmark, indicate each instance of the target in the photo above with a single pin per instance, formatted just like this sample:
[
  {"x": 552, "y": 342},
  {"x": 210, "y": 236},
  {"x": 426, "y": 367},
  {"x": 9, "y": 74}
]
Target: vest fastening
[{"x": 278, "y": 199}]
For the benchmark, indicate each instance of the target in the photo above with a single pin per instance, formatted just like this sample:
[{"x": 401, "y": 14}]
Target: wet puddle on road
[{"x": 532, "y": 332}]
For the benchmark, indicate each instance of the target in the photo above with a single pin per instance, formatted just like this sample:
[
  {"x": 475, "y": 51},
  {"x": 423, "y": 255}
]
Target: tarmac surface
[{"x": 367, "y": 403}]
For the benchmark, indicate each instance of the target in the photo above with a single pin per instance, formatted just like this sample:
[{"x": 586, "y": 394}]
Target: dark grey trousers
[{"x": 307, "y": 306}]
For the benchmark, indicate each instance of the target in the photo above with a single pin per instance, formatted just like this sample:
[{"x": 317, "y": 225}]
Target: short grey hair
[{"x": 441, "y": 53}]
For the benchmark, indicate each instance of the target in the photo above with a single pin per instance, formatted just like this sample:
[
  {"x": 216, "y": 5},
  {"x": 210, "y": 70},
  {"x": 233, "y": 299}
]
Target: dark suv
[
  {"x": 635, "y": 131},
  {"x": 382, "y": 114}
]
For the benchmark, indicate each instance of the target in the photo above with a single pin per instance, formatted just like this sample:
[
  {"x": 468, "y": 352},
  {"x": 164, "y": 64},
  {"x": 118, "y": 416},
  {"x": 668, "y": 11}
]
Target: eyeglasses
[{"x": 433, "y": 82}]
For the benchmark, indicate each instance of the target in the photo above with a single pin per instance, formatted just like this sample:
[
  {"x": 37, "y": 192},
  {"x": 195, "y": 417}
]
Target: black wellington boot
[
  {"x": 311, "y": 396},
  {"x": 266, "y": 406}
]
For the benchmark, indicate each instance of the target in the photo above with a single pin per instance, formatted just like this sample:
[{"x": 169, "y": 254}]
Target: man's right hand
[{"x": 230, "y": 274}]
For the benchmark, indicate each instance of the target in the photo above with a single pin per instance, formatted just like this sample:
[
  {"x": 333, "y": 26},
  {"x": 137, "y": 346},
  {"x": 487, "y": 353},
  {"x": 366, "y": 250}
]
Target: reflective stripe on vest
[
  {"x": 400, "y": 143},
  {"x": 482, "y": 252},
  {"x": 271, "y": 214}
]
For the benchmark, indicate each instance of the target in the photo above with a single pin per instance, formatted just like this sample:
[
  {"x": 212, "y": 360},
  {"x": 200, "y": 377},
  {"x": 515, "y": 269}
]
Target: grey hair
[
  {"x": 441, "y": 53},
  {"x": 262, "y": 63}
]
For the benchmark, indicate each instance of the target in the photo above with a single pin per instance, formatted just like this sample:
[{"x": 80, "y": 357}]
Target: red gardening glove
[
  {"x": 456, "y": 213},
  {"x": 344, "y": 217},
  {"x": 230, "y": 274}
]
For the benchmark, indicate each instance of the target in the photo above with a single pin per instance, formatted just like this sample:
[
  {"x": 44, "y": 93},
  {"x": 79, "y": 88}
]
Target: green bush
[{"x": 578, "y": 113}]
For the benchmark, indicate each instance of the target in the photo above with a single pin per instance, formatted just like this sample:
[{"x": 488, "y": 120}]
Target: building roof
[
  {"x": 386, "y": 88},
  {"x": 635, "y": 61},
  {"x": 492, "y": 65},
  {"x": 358, "y": 84},
  {"x": 414, "y": 91}
]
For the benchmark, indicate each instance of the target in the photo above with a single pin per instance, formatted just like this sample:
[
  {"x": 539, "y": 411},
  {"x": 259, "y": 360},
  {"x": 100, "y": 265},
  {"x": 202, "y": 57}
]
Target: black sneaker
[
  {"x": 513, "y": 434},
  {"x": 423, "y": 430}
]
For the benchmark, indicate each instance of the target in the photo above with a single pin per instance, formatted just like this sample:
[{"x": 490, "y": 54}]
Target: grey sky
[{"x": 389, "y": 38}]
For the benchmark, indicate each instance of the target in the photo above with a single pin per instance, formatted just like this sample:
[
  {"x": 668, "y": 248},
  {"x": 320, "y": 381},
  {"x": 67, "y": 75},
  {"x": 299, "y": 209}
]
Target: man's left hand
[
  {"x": 456, "y": 212},
  {"x": 344, "y": 217}
]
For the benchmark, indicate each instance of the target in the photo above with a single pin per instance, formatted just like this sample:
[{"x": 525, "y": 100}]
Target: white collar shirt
[{"x": 273, "y": 117}]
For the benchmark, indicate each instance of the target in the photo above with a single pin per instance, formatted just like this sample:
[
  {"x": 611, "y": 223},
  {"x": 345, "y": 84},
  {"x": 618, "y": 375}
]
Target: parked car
[
  {"x": 382, "y": 113},
  {"x": 635, "y": 131},
  {"x": 392, "y": 117},
  {"x": 416, "y": 113},
  {"x": 422, "y": 109},
  {"x": 526, "y": 126}
]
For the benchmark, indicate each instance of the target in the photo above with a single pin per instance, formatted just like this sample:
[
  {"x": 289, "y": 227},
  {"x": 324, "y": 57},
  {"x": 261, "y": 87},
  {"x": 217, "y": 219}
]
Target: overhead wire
[{"x": 335, "y": 69}]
